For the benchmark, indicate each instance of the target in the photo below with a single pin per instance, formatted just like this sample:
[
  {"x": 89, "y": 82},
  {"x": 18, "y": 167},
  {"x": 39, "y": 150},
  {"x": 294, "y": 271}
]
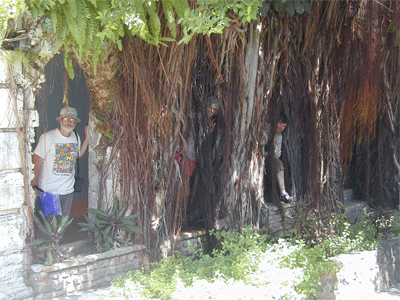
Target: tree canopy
[{"x": 84, "y": 26}]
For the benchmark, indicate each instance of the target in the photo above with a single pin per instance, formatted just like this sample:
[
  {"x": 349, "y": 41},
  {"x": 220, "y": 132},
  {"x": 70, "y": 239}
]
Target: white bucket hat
[{"x": 68, "y": 112}]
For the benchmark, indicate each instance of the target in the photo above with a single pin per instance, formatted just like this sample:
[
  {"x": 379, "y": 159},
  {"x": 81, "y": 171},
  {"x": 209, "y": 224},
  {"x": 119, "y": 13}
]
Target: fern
[
  {"x": 170, "y": 7},
  {"x": 82, "y": 21},
  {"x": 68, "y": 64},
  {"x": 83, "y": 26},
  {"x": 77, "y": 23},
  {"x": 74, "y": 22},
  {"x": 91, "y": 30},
  {"x": 71, "y": 23},
  {"x": 154, "y": 22},
  {"x": 72, "y": 7},
  {"x": 180, "y": 6},
  {"x": 170, "y": 16}
]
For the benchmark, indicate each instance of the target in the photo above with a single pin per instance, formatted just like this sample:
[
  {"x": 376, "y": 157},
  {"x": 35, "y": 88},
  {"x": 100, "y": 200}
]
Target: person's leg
[
  {"x": 280, "y": 176},
  {"x": 281, "y": 182}
]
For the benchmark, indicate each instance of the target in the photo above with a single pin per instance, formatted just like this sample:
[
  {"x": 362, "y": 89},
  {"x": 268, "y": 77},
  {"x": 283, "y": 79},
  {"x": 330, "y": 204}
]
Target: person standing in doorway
[
  {"x": 276, "y": 141},
  {"x": 55, "y": 157}
]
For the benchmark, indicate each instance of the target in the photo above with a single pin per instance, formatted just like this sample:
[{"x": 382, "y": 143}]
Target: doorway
[{"x": 48, "y": 104}]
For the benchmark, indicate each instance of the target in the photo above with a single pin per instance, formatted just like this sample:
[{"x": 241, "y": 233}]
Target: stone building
[{"x": 17, "y": 122}]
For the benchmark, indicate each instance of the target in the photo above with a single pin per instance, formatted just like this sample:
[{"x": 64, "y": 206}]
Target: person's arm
[
  {"x": 37, "y": 164},
  {"x": 85, "y": 142},
  {"x": 278, "y": 145}
]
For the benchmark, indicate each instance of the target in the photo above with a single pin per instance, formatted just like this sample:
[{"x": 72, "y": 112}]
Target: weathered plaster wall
[
  {"x": 96, "y": 160},
  {"x": 13, "y": 249},
  {"x": 365, "y": 275}
]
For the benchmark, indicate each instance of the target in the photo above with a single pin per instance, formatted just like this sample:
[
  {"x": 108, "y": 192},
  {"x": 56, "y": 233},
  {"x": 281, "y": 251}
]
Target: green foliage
[
  {"x": 105, "y": 225},
  {"x": 9, "y": 9},
  {"x": 235, "y": 242},
  {"x": 334, "y": 235},
  {"x": 371, "y": 228},
  {"x": 326, "y": 235},
  {"x": 170, "y": 7},
  {"x": 75, "y": 24},
  {"x": 314, "y": 264},
  {"x": 85, "y": 27},
  {"x": 316, "y": 226},
  {"x": 394, "y": 223},
  {"x": 364, "y": 232},
  {"x": 142, "y": 18},
  {"x": 53, "y": 233},
  {"x": 285, "y": 7},
  {"x": 240, "y": 253},
  {"x": 211, "y": 16},
  {"x": 236, "y": 259}
]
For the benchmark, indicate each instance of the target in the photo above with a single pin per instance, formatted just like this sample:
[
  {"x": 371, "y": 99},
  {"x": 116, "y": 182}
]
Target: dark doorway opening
[{"x": 48, "y": 104}]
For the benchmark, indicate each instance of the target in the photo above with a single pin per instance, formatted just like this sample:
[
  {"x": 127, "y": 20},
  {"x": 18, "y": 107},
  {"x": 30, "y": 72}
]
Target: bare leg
[{"x": 281, "y": 182}]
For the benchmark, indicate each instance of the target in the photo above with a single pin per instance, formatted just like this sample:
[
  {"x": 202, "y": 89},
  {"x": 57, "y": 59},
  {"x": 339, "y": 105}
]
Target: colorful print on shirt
[{"x": 65, "y": 157}]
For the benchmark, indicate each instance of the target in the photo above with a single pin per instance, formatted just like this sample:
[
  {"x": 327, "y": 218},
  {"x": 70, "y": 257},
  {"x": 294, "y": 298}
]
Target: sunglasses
[{"x": 69, "y": 119}]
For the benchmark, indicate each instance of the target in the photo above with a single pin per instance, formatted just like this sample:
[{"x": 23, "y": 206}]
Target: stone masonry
[
  {"x": 84, "y": 272},
  {"x": 276, "y": 222},
  {"x": 16, "y": 111}
]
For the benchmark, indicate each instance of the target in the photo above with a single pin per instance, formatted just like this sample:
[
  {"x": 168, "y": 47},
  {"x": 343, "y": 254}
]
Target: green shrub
[
  {"x": 315, "y": 226},
  {"x": 105, "y": 224},
  {"x": 364, "y": 233},
  {"x": 312, "y": 260},
  {"x": 237, "y": 257},
  {"x": 320, "y": 237},
  {"x": 53, "y": 233},
  {"x": 371, "y": 228}
]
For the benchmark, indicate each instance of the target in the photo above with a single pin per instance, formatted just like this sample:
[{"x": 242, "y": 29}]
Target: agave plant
[
  {"x": 104, "y": 226},
  {"x": 53, "y": 233}
]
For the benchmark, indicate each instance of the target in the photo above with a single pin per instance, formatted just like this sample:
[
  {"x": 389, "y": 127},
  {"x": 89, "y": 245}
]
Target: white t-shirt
[{"x": 58, "y": 169}]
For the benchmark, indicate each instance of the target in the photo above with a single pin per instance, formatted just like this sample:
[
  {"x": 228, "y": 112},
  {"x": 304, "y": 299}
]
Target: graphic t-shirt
[{"x": 58, "y": 168}]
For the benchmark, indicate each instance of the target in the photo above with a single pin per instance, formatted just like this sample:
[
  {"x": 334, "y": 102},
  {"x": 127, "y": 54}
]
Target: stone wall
[
  {"x": 16, "y": 113},
  {"x": 187, "y": 243},
  {"x": 85, "y": 272},
  {"x": 365, "y": 275},
  {"x": 388, "y": 259},
  {"x": 276, "y": 222}
]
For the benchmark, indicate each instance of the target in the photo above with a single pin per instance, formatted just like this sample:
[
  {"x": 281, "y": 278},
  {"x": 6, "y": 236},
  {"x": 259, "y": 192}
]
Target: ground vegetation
[{"x": 254, "y": 265}]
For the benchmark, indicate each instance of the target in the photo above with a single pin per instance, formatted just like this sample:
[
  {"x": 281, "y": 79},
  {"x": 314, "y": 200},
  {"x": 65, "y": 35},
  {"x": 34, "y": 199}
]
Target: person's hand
[
  {"x": 85, "y": 142},
  {"x": 34, "y": 182},
  {"x": 212, "y": 125}
]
